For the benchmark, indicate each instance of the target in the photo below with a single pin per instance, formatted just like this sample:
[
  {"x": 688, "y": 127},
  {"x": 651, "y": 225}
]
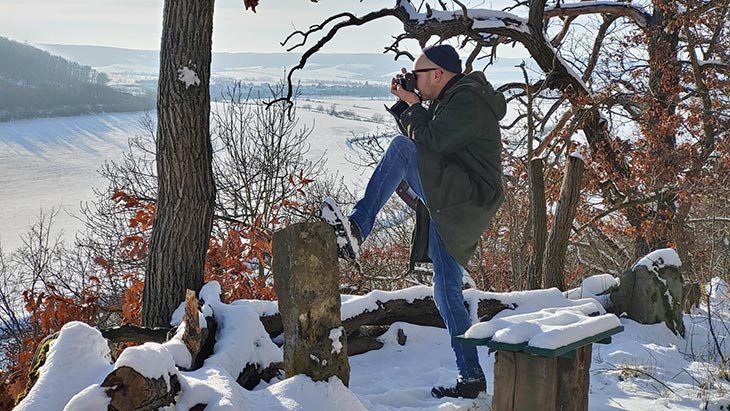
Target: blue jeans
[{"x": 400, "y": 162}]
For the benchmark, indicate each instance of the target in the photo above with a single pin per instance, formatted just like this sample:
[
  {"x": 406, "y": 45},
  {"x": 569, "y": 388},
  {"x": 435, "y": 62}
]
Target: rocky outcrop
[{"x": 651, "y": 291}]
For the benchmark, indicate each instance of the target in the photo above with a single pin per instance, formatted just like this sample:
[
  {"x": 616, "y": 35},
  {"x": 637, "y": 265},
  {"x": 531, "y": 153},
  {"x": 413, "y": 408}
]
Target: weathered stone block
[{"x": 306, "y": 279}]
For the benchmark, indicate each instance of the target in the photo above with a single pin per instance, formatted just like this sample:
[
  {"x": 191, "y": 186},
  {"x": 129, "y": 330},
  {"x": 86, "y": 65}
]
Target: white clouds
[{"x": 137, "y": 24}]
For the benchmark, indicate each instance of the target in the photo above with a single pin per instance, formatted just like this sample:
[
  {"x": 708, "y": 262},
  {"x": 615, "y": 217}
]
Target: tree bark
[
  {"x": 574, "y": 380},
  {"x": 186, "y": 189},
  {"x": 419, "y": 312},
  {"x": 132, "y": 333},
  {"x": 563, "y": 223}
]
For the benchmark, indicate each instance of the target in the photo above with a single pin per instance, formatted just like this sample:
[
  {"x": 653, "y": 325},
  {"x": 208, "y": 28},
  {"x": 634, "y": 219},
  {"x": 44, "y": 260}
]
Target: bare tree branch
[{"x": 351, "y": 21}]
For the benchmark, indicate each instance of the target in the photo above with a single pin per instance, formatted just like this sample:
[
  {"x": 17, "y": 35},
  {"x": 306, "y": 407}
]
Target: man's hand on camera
[{"x": 409, "y": 97}]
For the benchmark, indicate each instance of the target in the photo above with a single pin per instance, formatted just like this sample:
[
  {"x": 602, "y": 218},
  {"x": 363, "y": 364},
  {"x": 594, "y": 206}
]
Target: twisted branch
[{"x": 351, "y": 21}]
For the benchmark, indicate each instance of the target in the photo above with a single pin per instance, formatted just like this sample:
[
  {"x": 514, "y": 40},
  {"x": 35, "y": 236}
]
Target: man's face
[{"x": 426, "y": 77}]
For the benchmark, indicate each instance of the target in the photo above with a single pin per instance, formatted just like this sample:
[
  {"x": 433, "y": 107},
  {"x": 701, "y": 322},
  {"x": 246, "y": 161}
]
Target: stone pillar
[{"x": 306, "y": 279}]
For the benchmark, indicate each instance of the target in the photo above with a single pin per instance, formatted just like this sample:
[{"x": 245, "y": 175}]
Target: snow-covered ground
[
  {"x": 645, "y": 367},
  {"x": 53, "y": 162}
]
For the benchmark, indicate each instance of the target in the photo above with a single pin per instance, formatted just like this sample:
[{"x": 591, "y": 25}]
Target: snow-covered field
[
  {"x": 53, "y": 162},
  {"x": 645, "y": 367}
]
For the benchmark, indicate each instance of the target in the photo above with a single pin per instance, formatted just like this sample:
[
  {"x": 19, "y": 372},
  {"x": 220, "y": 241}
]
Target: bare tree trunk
[
  {"x": 186, "y": 190},
  {"x": 563, "y": 222},
  {"x": 539, "y": 224}
]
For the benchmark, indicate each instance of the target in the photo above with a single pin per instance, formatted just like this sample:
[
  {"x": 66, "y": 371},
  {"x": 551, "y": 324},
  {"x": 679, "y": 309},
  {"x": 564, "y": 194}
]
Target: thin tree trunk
[
  {"x": 186, "y": 189},
  {"x": 564, "y": 216},
  {"x": 539, "y": 224}
]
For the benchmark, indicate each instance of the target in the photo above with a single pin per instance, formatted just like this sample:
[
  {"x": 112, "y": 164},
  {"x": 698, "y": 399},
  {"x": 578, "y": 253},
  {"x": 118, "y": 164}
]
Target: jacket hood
[{"x": 494, "y": 99}]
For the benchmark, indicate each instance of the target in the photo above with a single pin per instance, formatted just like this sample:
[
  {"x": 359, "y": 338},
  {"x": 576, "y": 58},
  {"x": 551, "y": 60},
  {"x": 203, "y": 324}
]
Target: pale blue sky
[{"x": 137, "y": 23}]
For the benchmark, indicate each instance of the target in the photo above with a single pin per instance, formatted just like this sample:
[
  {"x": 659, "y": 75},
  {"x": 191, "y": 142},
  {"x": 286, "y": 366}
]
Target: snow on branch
[
  {"x": 481, "y": 27},
  {"x": 624, "y": 9}
]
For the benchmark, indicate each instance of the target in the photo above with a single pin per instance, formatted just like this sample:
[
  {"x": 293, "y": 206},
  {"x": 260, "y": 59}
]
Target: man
[{"x": 450, "y": 158}]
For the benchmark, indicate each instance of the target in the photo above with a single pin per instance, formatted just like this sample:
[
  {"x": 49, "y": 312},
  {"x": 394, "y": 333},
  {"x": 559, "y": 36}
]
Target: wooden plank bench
[{"x": 530, "y": 378}]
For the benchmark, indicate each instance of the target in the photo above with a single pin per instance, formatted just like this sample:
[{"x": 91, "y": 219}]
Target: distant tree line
[
  {"x": 34, "y": 83},
  {"x": 366, "y": 90},
  {"x": 219, "y": 87}
]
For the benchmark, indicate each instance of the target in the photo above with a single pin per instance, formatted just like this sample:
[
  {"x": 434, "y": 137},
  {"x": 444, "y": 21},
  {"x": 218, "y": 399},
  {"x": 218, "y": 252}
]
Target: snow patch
[
  {"x": 595, "y": 287},
  {"x": 241, "y": 338},
  {"x": 151, "y": 360},
  {"x": 213, "y": 387},
  {"x": 658, "y": 259},
  {"x": 262, "y": 307},
  {"x": 188, "y": 76},
  {"x": 211, "y": 292},
  {"x": 178, "y": 350},
  {"x": 93, "y": 398},
  {"x": 300, "y": 393},
  {"x": 78, "y": 358},
  {"x": 335, "y": 335}
]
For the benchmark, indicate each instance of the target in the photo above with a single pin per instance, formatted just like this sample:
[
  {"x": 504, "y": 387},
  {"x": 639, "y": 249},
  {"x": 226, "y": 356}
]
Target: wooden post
[
  {"x": 524, "y": 382},
  {"x": 306, "y": 279},
  {"x": 529, "y": 382},
  {"x": 574, "y": 380}
]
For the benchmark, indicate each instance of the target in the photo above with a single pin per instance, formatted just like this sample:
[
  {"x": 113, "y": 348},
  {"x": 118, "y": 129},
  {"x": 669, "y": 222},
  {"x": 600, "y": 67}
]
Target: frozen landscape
[{"x": 53, "y": 162}]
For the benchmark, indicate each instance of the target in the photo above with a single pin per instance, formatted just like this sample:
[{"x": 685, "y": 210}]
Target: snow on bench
[{"x": 549, "y": 332}]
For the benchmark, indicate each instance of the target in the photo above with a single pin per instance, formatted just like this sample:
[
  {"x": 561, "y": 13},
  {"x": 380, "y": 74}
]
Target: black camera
[{"x": 406, "y": 81}]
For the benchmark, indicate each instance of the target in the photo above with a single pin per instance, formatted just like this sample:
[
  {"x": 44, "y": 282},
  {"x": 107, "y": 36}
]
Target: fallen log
[
  {"x": 365, "y": 339},
  {"x": 131, "y": 391},
  {"x": 252, "y": 375},
  {"x": 418, "y": 312},
  {"x": 132, "y": 333}
]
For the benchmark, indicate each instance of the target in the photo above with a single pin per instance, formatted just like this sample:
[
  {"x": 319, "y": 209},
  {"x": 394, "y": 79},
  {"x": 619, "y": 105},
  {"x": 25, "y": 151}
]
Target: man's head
[{"x": 434, "y": 68}]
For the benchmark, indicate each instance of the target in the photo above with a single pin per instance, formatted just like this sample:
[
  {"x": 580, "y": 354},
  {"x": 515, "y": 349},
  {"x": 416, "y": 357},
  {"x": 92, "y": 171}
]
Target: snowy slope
[
  {"x": 645, "y": 368},
  {"x": 53, "y": 162}
]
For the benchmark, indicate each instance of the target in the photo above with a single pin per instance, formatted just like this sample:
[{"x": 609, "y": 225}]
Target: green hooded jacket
[{"x": 459, "y": 160}]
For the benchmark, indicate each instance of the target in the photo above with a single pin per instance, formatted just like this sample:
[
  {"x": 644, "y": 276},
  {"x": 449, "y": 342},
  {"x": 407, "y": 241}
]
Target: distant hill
[
  {"x": 361, "y": 66},
  {"x": 326, "y": 74},
  {"x": 35, "y": 83}
]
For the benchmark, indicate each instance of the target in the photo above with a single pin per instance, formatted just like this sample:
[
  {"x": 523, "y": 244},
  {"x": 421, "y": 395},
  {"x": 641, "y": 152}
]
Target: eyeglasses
[{"x": 424, "y": 70}]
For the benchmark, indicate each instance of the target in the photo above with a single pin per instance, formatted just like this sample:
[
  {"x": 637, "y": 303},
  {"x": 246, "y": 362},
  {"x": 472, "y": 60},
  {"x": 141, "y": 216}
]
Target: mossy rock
[
  {"x": 35, "y": 369},
  {"x": 651, "y": 295}
]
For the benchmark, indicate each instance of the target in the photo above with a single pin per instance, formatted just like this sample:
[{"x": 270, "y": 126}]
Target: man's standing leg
[{"x": 449, "y": 299}]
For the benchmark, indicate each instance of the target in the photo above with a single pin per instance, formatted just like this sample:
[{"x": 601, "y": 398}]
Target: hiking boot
[
  {"x": 347, "y": 233},
  {"x": 463, "y": 389}
]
